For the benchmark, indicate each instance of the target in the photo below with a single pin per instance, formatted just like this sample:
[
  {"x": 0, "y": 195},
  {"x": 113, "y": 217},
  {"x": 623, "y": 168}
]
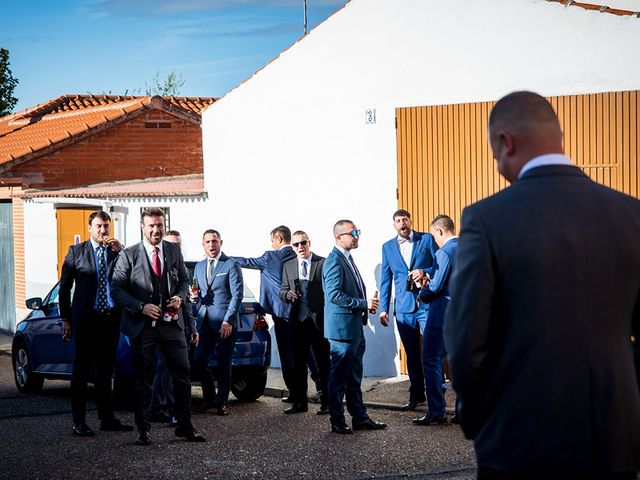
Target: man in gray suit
[
  {"x": 150, "y": 283},
  {"x": 538, "y": 328}
]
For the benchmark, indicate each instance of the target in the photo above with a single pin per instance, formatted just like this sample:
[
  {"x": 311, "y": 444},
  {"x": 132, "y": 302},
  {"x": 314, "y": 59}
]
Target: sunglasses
[
  {"x": 301, "y": 242},
  {"x": 353, "y": 233}
]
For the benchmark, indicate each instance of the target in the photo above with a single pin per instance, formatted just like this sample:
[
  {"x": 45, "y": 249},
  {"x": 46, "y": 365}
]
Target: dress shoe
[
  {"x": 341, "y": 429},
  {"x": 174, "y": 421},
  {"x": 287, "y": 399},
  {"x": 409, "y": 406},
  {"x": 222, "y": 410},
  {"x": 190, "y": 434},
  {"x": 159, "y": 417},
  {"x": 114, "y": 425},
  {"x": 429, "y": 419},
  {"x": 204, "y": 407},
  {"x": 143, "y": 438},
  {"x": 297, "y": 407},
  {"x": 369, "y": 424},
  {"x": 324, "y": 410},
  {"x": 455, "y": 420},
  {"x": 82, "y": 430}
]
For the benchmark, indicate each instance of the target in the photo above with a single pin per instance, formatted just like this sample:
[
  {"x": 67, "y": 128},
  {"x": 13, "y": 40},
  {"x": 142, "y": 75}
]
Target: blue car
[{"x": 39, "y": 352}]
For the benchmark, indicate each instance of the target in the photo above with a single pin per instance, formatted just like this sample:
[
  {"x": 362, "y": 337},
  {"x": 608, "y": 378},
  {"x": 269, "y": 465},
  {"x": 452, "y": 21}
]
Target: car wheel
[
  {"x": 26, "y": 380},
  {"x": 250, "y": 386}
]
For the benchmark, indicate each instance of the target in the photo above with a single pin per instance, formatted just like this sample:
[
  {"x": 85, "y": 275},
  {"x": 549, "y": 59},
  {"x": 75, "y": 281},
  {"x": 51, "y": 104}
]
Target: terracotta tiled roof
[
  {"x": 63, "y": 118},
  {"x": 180, "y": 186},
  {"x": 600, "y": 8}
]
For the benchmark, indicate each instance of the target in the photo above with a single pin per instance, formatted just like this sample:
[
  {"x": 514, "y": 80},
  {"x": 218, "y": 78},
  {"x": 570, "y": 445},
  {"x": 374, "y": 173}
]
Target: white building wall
[{"x": 291, "y": 145}]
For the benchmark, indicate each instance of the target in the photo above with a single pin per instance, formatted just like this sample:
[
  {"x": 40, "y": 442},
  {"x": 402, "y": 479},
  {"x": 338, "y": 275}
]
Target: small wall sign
[{"x": 370, "y": 115}]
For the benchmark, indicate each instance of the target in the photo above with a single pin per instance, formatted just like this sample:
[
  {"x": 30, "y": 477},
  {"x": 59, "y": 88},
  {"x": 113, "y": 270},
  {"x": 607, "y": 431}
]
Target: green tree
[
  {"x": 7, "y": 84},
  {"x": 170, "y": 87}
]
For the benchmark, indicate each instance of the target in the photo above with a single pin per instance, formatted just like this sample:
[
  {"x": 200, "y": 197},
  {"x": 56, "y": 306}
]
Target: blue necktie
[{"x": 103, "y": 303}]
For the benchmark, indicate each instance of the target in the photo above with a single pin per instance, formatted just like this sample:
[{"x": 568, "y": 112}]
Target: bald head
[{"x": 522, "y": 125}]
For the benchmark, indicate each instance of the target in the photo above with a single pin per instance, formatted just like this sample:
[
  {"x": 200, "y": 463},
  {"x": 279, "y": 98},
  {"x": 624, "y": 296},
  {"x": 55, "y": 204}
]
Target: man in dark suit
[
  {"x": 93, "y": 321},
  {"x": 219, "y": 282},
  {"x": 150, "y": 283},
  {"x": 302, "y": 288},
  {"x": 406, "y": 259},
  {"x": 436, "y": 294},
  {"x": 345, "y": 313},
  {"x": 539, "y": 324},
  {"x": 270, "y": 266}
]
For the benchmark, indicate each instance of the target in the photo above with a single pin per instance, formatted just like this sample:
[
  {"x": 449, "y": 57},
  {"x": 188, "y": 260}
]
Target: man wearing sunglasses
[
  {"x": 302, "y": 288},
  {"x": 406, "y": 259},
  {"x": 345, "y": 313}
]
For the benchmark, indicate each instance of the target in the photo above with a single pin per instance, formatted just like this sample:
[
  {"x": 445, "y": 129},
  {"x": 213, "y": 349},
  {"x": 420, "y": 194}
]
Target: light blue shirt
[{"x": 544, "y": 160}]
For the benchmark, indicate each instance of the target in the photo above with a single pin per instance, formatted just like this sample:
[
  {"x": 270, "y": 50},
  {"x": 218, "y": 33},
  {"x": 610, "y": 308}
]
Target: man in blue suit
[
  {"x": 270, "y": 266},
  {"x": 405, "y": 260},
  {"x": 436, "y": 295},
  {"x": 219, "y": 281},
  {"x": 345, "y": 312}
]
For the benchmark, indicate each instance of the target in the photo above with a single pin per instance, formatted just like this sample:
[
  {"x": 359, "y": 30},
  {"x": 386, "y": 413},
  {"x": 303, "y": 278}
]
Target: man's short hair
[
  {"x": 152, "y": 212},
  {"x": 444, "y": 222},
  {"x": 299, "y": 232},
  {"x": 101, "y": 214},
  {"x": 401, "y": 213},
  {"x": 283, "y": 232},
  {"x": 340, "y": 223},
  {"x": 525, "y": 112},
  {"x": 174, "y": 233},
  {"x": 212, "y": 231}
]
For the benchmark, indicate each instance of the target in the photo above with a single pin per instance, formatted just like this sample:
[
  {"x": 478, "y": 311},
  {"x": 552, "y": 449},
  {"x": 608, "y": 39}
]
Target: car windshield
[{"x": 52, "y": 296}]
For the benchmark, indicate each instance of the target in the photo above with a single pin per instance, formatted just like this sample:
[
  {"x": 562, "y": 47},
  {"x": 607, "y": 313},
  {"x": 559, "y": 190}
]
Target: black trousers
[
  {"x": 485, "y": 473},
  {"x": 283, "y": 340},
  {"x": 96, "y": 342},
  {"x": 305, "y": 335},
  {"x": 169, "y": 338}
]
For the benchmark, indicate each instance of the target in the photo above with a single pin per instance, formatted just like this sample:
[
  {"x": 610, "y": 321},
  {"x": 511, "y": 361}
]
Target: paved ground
[{"x": 255, "y": 441}]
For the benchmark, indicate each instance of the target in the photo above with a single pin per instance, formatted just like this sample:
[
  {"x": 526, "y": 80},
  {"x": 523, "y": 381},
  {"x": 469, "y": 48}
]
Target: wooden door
[{"x": 73, "y": 228}]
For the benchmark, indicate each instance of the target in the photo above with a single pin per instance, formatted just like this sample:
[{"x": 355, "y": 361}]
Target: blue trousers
[
  {"x": 409, "y": 327},
  {"x": 345, "y": 377},
  {"x": 433, "y": 353}
]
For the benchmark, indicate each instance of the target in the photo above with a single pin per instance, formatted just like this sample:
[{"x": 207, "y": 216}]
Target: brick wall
[{"x": 125, "y": 152}]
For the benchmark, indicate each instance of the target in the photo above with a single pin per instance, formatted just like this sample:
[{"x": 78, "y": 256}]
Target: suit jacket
[
  {"x": 345, "y": 308},
  {"x": 79, "y": 267},
  {"x": 220, "y": 299},
  {"x": 315, "y": 294},
  {"x": 131, "y": 286},
  {"x": 436, "y": 292},
  {"x": 539, "y": 324},
  {"x": 394, "y": 267},
  {"x": 270, "y": 266}
]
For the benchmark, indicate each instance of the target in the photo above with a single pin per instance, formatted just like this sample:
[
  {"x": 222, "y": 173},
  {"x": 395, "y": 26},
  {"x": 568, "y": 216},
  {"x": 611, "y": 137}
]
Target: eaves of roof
[
  {"x": 178, "y": 186},
  {"x": 599, "y": 8}
]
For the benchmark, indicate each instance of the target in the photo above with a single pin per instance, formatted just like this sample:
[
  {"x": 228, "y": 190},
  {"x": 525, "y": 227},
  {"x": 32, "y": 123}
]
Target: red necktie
[{"x": 155, "y": 262}]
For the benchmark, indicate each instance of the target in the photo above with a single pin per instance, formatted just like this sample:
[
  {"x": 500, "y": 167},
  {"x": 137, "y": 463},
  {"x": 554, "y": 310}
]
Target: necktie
[
  {"x": 102, "y": 301},
  {"x": 358, "y": 277},
  {"x": 304, "y": 269},
  {"x": 210, "y": 268},
  {"x": 155, "y": 262}
]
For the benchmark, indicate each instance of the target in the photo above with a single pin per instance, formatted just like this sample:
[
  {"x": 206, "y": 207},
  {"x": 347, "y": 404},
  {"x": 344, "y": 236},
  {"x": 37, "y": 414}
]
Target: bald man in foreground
[{"x": 544, "y": 300}]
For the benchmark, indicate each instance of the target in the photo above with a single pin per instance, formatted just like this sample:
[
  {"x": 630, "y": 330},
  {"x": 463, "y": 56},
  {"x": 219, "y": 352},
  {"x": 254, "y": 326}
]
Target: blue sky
[{"x": 59, "y": 47}]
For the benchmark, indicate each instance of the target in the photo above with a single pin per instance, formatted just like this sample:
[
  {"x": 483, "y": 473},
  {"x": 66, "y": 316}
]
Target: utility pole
[{"x": 305, "y": 16}]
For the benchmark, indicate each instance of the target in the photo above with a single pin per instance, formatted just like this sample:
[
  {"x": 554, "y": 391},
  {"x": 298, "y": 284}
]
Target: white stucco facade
[{"x": 291, "y": 145}]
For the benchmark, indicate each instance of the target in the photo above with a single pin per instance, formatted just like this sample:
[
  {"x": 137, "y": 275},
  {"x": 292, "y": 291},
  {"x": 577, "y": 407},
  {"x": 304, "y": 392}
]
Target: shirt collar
[
  {"x": 403, "y": 240},
  {"x": 346, "y": 253},
  {"x": 149, "y": 248},
  {"x": 94, "y": 244},
  {"x": 216, "y": 258},
  {"x": 447, "y": 240},
  {"x": 544, "y": 160}
]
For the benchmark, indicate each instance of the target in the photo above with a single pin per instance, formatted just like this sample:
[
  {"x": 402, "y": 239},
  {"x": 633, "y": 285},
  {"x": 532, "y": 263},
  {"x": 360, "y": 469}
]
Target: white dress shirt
[
  {"x": 149, "y": 248},
  {"x": 406, "y": 248},
  {"x": 543, "y": 161}
]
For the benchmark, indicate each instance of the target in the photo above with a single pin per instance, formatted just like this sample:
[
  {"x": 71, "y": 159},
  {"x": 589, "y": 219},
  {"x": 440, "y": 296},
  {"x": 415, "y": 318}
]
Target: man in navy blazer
[
  {"x": 539, "y": 325},
  {"x": 270, "y": 266},
  {"x": 436, "y": 295},
  {"x": 406, "y": 259},
  {"x": 346, "y": 311},
  {"x": 93, "y": 320},
  {"x": 220, "y": 286}
]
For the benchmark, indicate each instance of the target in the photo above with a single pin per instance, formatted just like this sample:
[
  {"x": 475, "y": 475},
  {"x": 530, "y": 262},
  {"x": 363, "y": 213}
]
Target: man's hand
[
  {"x": 384, "y": 319},
  {"x": 152, "y": 311},
  {"x": 66, "y": 330},
  {"x": 175, "y": 302},
  {"x": 225, "y": 329},
  {"x": 416, "y": 275},
  {"x": 195, "y": 338},
  {"x": 373, "y": 304},
  {"x": 114, "y": 243},
  {"x": 292, "y": 295}
]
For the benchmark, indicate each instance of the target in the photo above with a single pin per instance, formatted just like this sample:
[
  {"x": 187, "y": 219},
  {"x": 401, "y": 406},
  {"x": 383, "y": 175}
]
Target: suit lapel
[
  {"x": 87, "y": 251},
  {"x": 350, "y": 270},
  {"x": 395, "y": 248},
  {"x": 146, "y": 265},
  {"x": 417, "y": 238},
  {"x": 314, "y": 267}
]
